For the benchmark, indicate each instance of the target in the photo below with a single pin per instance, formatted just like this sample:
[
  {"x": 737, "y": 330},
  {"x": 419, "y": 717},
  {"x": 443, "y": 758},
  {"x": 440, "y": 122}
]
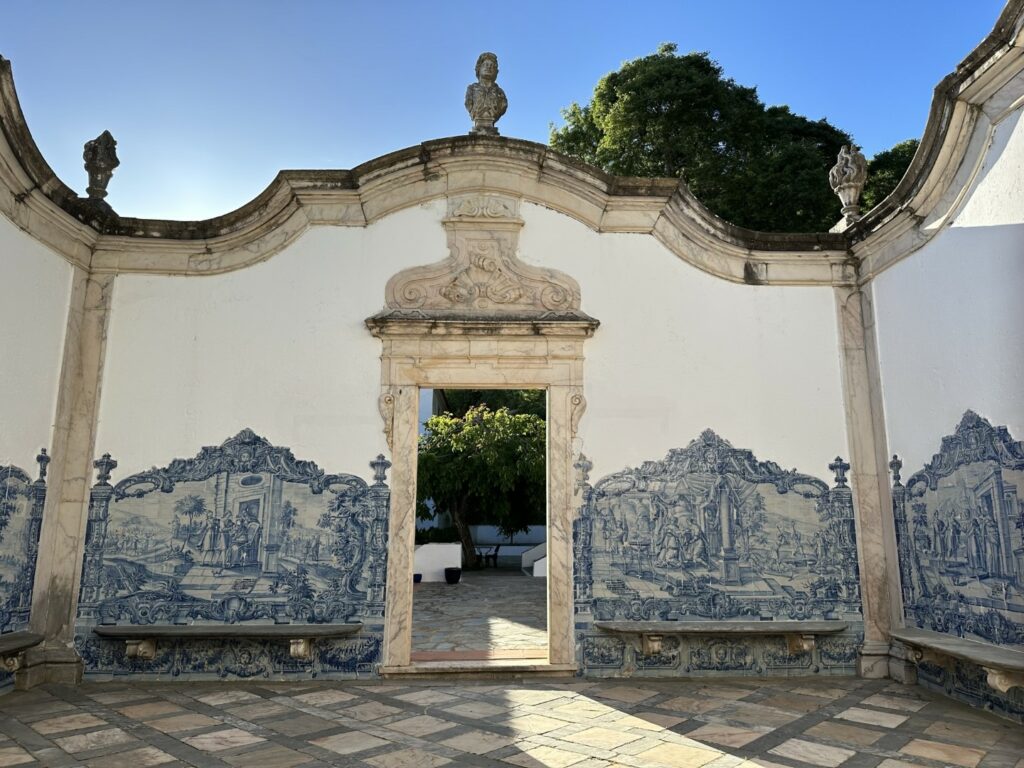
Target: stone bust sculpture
[{"x": 485, "y": 101}]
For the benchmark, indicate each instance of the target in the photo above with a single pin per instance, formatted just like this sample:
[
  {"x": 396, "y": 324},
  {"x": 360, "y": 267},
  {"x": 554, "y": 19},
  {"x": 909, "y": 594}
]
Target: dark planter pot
[
  {"x": 452, "y": 575},
  {"x": 417, "y": 578}
]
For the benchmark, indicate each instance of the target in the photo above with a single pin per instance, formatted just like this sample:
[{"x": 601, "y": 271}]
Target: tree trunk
[{"x": 468, "y": 548}]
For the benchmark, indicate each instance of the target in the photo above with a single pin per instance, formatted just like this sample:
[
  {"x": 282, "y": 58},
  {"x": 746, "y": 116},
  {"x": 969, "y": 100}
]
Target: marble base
[
  {"x": 49, "y": 665},
  {"x": 873, "y": 661}
]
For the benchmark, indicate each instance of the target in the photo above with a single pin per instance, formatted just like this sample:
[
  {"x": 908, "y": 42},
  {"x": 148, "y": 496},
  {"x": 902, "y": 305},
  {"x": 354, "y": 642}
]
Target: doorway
[
  {"x": 480, "y": 562},
  {"x": 545, "y": 355}
]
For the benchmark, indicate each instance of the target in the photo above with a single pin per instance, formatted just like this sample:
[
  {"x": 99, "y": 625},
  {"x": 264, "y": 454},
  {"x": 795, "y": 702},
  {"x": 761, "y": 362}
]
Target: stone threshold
[
  {"x": 483, "y": 669},
  {"x": 538, "y": 655}
]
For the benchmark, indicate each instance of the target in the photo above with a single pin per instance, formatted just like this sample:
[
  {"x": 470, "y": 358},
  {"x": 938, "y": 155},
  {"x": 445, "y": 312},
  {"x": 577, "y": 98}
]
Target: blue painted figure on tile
[{"x": 960, "y": 535}]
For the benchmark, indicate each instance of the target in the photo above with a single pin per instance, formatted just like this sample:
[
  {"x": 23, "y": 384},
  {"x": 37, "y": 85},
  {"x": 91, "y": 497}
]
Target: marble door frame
[{"x": 507, "y": 356}]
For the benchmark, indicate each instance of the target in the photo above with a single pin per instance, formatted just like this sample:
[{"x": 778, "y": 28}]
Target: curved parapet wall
[{"x": 43, "y": 205}]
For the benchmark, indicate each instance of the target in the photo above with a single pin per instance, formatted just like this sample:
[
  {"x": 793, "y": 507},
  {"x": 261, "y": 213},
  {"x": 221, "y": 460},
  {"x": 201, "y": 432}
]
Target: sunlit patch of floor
[{"x": 583, "y": 723}]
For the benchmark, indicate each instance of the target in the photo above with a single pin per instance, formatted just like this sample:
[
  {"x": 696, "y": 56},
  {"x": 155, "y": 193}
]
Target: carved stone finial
[
  {"x": 895, "y": 466},
  {"x": 380, "y": 467},
  {"x": 840, "y": 467},
  {"x": 104, "y": 465},
  {"x": 847, "y": 179},
  {"x": 100, "y": 157},
  {"x": 43, "y": 460},
  {"x": 485, "y": 101}
]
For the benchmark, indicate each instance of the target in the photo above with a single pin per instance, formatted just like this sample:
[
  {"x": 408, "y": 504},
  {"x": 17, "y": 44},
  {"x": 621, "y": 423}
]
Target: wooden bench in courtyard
[
  {"x": 1004, "y": 667},
  {"x": 140, "y": 641},
  {"x": 799, "y": 634}
]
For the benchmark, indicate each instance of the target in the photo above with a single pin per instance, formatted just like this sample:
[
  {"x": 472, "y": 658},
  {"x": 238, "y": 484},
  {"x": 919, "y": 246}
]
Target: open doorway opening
[{"x": 480, "y": 564}]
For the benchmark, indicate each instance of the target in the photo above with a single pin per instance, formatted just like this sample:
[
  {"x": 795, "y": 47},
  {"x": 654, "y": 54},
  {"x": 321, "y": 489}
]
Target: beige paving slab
[
  {"x": 220, "y": 698},
  {"x": 179, "y": 723},
  {"x": 407, "y": 758},
  {"x": 300, "y": 725},
  {"x": 692, "y": 705},
  {"x": 324, "y": 698},
  {"x": 605, "y": 738},
  {"x": 421, "y": 725},
  {"x": 134, "y": 758},
  {"x": 120, "y": 696},
  {"x": 260, "y": 710},
  {"x": 478, "y": 742},
  {"x": 369, "y": 710},
  {"x": 899, "y": 703},
  {"x": 546, "y": 757},
  {"x": 677, "y": 756},
  {"x": 846, "y": 734},
  {"x": 349, "y": 743},
  {"x": 962, "y": 733},
  {"x": 270, "y": 756},
  {"x": 74, "y": 722},
  {"x": 83, "y": 742},
  {"x": 150, "y": 709},
  {"x": 792, "y": 702},
  {"x": 871, "y": 717},
  {"x": 228, "y": 738},
  {"x": 727, "y": 735},
  {"x": 15, "y": 756},
  {"x": 476, "y": 709},
  {"x": 655, "y": 720},
  {"x": 813, "y": 753},
  {"x": 944, "y": 753},
  {"x": 626, "y": 693},
  {"x": 533, "y": 724},
  {"x": 427, "y": 697}
]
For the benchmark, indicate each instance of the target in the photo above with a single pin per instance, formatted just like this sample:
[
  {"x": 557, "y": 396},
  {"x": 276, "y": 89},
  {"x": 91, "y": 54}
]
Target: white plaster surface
[
  {"x": 33, "y": 319},
  {"x": 950, "y": 316},
  {"x": 432, "y": 559},
  {"x": 679, "y": 351},
  {"x": 279, "y": 347},
  {"x": 999, "y": 188}
]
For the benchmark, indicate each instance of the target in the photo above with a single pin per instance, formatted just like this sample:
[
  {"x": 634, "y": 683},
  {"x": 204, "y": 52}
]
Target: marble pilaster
[
  {"x": 865, "y": 427},
  {"x": 58, "y": 569}
]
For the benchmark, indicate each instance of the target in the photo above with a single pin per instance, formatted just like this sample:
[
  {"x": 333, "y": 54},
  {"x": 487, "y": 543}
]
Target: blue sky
[{"x": 208, "y": 100}]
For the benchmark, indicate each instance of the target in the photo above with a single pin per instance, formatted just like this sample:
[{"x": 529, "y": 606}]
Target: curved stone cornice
[
  {"x": 967, "y": 107},
  {"x": 38, "y": 202}
]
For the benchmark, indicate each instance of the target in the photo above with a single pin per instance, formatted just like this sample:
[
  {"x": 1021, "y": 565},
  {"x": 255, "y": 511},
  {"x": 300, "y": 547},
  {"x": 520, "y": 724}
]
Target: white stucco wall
[
  {"x": 679, "y": 351},
  {"x": 281, "y": 347},
  {"x": 950, "y": 317},
  {"x": 33, "y": 318}
]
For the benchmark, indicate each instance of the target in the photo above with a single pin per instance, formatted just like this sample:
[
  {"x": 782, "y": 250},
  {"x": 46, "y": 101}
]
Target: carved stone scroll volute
[{"x": 482, "y": 274}]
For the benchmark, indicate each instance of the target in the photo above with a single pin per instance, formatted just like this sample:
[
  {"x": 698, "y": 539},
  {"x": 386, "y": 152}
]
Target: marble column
[
  {"x": 59, "y": 566},
  {"x": 401, "y": 527},
  {"x": 865, "y": 427}
]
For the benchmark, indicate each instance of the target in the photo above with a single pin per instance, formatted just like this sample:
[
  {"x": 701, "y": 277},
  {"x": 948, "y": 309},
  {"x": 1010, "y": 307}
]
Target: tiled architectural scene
[
  {"x": 784, "y": 511},
  {"x": 798, "y": 722}
]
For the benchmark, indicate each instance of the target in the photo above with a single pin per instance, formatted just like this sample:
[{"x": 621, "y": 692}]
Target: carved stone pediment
[{"x": 482, "y": 275}]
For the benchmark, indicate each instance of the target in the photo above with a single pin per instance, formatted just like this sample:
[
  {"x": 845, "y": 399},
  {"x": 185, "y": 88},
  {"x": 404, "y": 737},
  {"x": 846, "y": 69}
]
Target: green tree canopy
[
  {"x": 532, "y": 401},
  {"x": 885, "y": 171},
  {"x": 485, "y": 465},
  {"x": 677, "y": 115}
]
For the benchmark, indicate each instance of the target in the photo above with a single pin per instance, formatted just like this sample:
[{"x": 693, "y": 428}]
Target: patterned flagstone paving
[
  {"x": 491, "y": 613},
  {"x": 795, "y": 722}
]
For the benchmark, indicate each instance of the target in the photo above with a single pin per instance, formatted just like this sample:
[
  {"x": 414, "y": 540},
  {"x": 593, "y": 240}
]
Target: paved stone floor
[
  {"x": 492, "y": 613},
  {"x": 794, "y": 722}
]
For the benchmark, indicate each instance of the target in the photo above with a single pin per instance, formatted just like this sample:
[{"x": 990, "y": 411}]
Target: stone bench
[
  {"x": 140, "y": 641},
  {"x": 1004, "y": 667},
  {"x": 13, "y": 645},
  {"x": 799, "y": 634}
]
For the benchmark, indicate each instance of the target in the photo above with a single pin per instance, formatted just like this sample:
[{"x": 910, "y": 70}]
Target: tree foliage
[
  {"x": 885, "y": 171},
  {"x": 533, "y": 401},
  {"x": 677, "y": 115},
  {"x": 485, "y": 465}
]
